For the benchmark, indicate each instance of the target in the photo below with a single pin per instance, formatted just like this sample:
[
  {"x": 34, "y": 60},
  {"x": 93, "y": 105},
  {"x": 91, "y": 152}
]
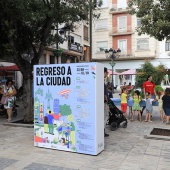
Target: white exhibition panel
[{"x": 69, "y": 107}]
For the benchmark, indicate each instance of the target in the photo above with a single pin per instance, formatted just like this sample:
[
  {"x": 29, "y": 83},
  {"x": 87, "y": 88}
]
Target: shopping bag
[{"x": 4, "y": 99}]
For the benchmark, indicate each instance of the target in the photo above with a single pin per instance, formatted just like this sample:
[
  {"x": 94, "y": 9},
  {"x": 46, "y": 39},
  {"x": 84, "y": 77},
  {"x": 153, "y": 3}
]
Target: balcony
[
  {"x": 122, "y": 31},
  {"x": 136, "y": 55},
  {"x": 126, "y": 55},
  {"x": 116, "y": 10}
]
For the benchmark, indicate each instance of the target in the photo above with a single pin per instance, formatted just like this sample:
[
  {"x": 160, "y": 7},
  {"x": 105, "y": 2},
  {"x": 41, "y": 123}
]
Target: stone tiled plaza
[{"x": 125, "y": 149}]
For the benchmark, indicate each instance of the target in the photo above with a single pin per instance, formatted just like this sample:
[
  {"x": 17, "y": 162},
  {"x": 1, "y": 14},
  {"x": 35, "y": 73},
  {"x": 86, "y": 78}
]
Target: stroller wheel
[
  {"x": 14, "y": 113},
  {"x": 124, "y": 125},
  {"x": 113, "y": 126}
]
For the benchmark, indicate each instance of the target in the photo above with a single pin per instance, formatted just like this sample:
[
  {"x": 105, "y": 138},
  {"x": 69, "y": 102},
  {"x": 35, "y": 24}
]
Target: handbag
[{"x": 4, "y": 100}]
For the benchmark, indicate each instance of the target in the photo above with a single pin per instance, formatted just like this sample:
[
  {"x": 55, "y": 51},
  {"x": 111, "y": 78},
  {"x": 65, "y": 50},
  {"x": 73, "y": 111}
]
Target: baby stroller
[
  {"x": 3, "y": 111},
  {"x": 116, "y": 117}
]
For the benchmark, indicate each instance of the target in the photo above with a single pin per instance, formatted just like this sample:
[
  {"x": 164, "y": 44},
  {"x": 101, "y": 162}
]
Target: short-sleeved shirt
[
  {"x": 166, "y": 101},
  {"x": 149, "y": 104},
  {"x": 123, "y": 98},
  {"x": 136, "y": 99},
  {"x": 149, "y": 87},
  {"x": 159, "y": 99}
]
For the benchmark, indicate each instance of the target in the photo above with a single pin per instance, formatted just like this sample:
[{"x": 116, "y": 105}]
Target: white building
[{"x": 116, "y": 29}]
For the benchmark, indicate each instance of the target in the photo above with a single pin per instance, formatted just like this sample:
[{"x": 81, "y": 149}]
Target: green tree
[
  {"x": 29, "y": 26},
  {"x": 148, "y": 69},
  {"x": 65, "y": 110},
  {"x": 155, "y": 17}
]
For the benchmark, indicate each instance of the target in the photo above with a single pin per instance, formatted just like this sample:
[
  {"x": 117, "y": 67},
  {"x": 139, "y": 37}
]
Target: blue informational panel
[{"x": 69, "y": 107}]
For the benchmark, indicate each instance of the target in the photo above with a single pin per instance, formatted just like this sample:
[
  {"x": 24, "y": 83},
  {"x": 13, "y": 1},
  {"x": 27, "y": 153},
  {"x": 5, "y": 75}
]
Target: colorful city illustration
[{"x": 53, "y": 126}]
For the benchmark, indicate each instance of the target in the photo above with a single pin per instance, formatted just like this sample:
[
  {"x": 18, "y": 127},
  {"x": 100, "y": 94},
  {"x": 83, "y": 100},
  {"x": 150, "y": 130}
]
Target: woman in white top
[{"x": 9, "y": 91}]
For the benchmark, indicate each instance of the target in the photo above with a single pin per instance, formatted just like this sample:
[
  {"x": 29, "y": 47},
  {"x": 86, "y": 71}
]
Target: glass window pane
[
  {"x": 138, "y": 22},
  {"x": 142, "y": 44},
  {"x": 101, "y": 46},
  {"x": 101, "y": 24}
]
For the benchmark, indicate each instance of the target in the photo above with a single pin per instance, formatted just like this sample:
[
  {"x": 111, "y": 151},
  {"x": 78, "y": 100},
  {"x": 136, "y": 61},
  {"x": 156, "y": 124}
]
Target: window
[
  {"x": 122, "y": 45},
  {"x": 143, "y": 44},
  {"x": 122, "y": 24},
  {"x": 121, "y": 4},
  {"x": 101, "y": 24},
  {"x": 101, "y": 46},
  {"x": 86, "y": 32},
  {"x": 138, "y": 22},
  {"x": 52, "y": 59},
  {"x": 167, "y": 46},
  {"x": 71, "y": 39}
]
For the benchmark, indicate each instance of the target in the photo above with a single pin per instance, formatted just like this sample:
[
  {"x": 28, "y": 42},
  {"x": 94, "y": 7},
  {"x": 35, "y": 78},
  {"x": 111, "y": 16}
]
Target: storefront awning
[
  {"x": 10, "y": 68},
  {"x": 128, "y": 72},
  {"x": 72, "y": 53}
]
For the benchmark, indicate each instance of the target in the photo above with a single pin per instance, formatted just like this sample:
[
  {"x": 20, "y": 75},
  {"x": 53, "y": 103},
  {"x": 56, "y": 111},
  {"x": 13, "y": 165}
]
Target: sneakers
[
  {"x": 106, "y": 135},
  {"x": 9, "y": 120}
]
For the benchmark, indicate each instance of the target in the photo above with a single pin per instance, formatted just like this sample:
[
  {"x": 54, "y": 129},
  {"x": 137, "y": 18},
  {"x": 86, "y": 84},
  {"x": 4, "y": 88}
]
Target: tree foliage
[
  {"x": 65, "y": 110},
  {"x": 155, "y": 17},
  {"x": 29, "y": 26},
  {"x": 148, "y": 69}
]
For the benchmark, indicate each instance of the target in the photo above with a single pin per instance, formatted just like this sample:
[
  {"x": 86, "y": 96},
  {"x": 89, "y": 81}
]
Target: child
[
  {"x": 124, "y": 101},
  {"x": 166, "y": 104},
  {"x": 136, "y": 106},
  {"x": 160, "y": 102},
  {"x": 149, "y": 107}
]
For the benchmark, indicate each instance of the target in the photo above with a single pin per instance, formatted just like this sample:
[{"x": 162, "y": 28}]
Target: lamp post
[
  {"x": 61, "y": 37},
  {"x": 112, "y": 54}
]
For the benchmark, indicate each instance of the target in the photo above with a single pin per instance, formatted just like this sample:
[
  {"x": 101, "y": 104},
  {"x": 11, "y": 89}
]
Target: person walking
[
  {"x": 160, "y": 104},
  {"x": 166, "y": 104},
  {"x": 148, "y": 87},
  {"x": 166, "y": 78},
  {"x": 106, "y": 98}
]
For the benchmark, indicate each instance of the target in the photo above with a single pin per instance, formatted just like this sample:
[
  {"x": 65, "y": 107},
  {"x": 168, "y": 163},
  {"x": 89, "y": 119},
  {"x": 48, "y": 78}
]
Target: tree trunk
[{"x": 28, "y": 100}]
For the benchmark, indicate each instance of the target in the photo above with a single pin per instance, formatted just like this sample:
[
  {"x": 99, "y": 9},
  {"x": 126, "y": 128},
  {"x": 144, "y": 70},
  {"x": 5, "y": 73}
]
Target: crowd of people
[{"x": 150, "y": 96}]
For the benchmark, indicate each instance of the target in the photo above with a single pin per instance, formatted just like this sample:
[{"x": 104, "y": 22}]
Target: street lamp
[
  {"x": 112, "y": 54},
  {"x": 61, "y": 37}
]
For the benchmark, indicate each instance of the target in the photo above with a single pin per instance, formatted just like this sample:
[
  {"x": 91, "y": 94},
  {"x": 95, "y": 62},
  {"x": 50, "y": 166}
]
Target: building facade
[
  {"x": 75, "y": 47},
  {"x": 118, "y": 31}
]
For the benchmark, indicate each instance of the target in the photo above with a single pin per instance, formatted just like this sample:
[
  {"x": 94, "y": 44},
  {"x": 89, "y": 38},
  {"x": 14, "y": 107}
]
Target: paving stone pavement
[{"x": 125, "y": 149}]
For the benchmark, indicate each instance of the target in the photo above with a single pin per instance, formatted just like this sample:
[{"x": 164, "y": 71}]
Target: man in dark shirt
[{"x": 105, "y": 102}]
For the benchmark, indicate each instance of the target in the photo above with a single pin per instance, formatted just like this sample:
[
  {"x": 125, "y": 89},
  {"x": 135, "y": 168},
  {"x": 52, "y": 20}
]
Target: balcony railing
[
  {"x": 122, "y": 30},
  {"x": 126, "y": 55},
  {"x": 117, "y": 9}
]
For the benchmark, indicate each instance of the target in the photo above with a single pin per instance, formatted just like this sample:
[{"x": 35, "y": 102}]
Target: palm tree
[
  {"x": 37, "y": 93},
  {"x": 48, "y": 97}
]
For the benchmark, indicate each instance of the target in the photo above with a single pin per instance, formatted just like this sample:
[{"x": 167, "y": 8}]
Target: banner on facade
[{"x": 69, "y": 107}]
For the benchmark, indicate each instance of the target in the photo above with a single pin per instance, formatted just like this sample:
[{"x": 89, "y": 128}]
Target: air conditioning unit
[
  {"x": 119, "y": 9},
  {"x": 169, "y": 54}
]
